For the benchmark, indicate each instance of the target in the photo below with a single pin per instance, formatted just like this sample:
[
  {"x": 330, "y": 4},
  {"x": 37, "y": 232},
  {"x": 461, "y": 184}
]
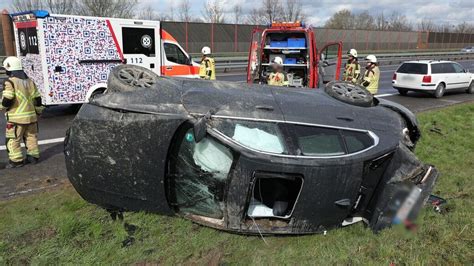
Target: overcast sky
[{"x": 318, "y": 11}]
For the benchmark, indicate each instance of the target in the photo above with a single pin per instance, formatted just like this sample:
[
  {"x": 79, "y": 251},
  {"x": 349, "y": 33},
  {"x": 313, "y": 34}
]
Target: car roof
[{"x": 427, "y": 61}]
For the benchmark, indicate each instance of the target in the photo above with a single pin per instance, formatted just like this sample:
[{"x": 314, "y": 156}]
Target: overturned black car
[{"x": 248, "y": 158}]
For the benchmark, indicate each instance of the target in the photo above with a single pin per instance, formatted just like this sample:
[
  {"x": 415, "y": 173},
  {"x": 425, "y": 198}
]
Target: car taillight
[
  {"x": 394, "y": 76},
  {"x": 426, "y": 79}
]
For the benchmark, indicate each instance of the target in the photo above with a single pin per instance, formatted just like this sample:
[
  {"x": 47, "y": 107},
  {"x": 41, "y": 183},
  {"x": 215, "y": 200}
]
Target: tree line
[
  {"x": 217, "y": 11},
  {"x": 345, "y": 19}
]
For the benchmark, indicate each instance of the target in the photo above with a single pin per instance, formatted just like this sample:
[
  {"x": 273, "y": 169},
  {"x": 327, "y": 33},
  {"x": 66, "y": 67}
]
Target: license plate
[{"x": 408, "y": 78}]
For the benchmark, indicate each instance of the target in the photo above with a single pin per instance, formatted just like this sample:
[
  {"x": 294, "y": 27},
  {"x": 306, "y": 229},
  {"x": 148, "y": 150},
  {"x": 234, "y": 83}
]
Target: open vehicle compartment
[{"x": 141, "y": 150}]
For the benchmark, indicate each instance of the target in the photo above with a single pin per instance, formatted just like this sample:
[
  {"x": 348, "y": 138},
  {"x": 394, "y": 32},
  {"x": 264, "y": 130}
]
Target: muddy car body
[{"x": 248, "y": 158}]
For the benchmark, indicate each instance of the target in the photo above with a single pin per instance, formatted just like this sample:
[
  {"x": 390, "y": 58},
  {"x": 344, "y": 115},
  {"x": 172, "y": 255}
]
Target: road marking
[
  {"x": 41, "y": 142},
  {"x": 385, "y": 95}
]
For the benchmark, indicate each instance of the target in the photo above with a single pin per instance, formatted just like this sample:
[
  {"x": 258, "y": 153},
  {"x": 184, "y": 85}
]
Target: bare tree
[
  {"x": 293, "y": 11},
  {"x": 184, "y": 11},
  {"x": 272, "y": 10},
  {"x": 24, "y": 5},
  {"x": 213, "y": 11},
  {"x": 148, "y": 13},
  {"x": 381, "y": 22},
  {"x": 426, "y": 25},
  {"x": 363, "y": 21},
  {"x": 61, "y": 6},
  {"x": 109, "y": 8},
  {"x": 256, "y": 17},
  {"x": 342, "y": 19},
  {"x": 237, "y": 13},
  {"x": 399, "y": 22}
]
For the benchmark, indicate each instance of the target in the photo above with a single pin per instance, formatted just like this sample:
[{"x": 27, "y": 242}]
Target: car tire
[
  {"x": 403, "y": 92},
  {"x": 350, "y": 93},
  {"x": 470, "y": 89},
  {"x": 125, "y": 78},
  {"x": 440, "y": 90}
]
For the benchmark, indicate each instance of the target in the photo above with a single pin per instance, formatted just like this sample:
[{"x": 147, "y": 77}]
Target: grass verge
[{"x": 58, "y": 227}]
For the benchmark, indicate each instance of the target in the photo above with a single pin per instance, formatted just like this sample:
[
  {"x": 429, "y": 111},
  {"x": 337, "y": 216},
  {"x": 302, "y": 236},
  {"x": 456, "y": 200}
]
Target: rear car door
[
  {"x": 330, "y": 60},
  {"x": 450, "y": 76},
  {"x": 255, "y": 52}
]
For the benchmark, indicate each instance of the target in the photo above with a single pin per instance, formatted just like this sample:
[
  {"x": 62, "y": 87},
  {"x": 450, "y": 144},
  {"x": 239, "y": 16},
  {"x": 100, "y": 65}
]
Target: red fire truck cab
[{"x": 303, "y": 63}]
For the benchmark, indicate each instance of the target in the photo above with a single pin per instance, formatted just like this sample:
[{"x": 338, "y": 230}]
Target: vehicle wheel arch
[{"x": 94, "y": 89}]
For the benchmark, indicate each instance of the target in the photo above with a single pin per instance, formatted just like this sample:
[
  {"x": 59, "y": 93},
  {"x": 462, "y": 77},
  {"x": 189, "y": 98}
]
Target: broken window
[
  {"x": 197, "y": 175},
  {"x": 261, "y": 136},
  {"x": 274, "y": 195}
]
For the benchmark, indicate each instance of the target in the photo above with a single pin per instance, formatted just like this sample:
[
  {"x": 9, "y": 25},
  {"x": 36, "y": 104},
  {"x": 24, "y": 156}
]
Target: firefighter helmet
[
  {"x": 206, "y": 50},
  {"x": 278, "y": 61},
  {"x": 371, "y": 58},
  {"x": 352, "y": 52},
  {"x": 12, "y": 63}
]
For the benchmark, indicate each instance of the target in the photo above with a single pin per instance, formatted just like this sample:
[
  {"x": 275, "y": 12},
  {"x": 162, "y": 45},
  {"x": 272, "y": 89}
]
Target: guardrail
[{"x": 228, "y": 63}]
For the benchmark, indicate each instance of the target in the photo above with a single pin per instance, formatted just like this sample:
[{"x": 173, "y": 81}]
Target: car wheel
[
  {"x": 402, "y": 92},
  {"x": 129, "y": 78},
  {"x": 439, "y": 92},
  {"x": 349, "y": 93},
  {"x": 470, "y": 89}
]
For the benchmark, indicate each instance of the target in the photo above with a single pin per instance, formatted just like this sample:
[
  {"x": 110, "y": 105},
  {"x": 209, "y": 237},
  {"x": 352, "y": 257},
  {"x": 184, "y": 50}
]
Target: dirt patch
[{"x": 212, "y": 258}]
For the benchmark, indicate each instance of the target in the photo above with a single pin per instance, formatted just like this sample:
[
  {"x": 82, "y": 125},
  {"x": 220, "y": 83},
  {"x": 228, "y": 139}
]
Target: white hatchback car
[{"x": 432, "y": 76}]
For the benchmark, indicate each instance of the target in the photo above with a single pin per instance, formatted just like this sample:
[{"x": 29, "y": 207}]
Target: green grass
[{"x": 58, "y": 227}]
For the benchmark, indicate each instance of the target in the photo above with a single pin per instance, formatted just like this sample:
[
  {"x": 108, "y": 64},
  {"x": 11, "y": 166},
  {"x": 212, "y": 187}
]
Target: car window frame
[
  {"x": 186, "y": 58},
  {"x": 454, "y": 65},
  {"x": 291, "y": 145},
  {"x": 413, "y": 63}
]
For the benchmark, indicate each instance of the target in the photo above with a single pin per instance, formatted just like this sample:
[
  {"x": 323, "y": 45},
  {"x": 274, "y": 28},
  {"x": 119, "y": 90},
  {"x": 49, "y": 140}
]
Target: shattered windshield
[
  {"x": 262, "y": 136},
  {"x": 198, "y": 174}
]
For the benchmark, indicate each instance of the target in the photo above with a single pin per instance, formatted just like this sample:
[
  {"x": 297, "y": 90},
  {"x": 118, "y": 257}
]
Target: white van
[
  {"x": 433, "y": 76},
  {"x": 70, "y": 57}
]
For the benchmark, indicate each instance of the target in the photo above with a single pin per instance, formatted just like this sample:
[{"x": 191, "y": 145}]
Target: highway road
[{"x": 55, "y": 121}]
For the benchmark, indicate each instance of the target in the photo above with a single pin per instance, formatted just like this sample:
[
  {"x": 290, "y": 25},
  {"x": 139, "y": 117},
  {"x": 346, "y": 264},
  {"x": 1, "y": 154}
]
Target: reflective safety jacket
[
  {"x": 207, "y": 69},
  {"x": 371, "y": 79},
  {"x": 352, "y": 72},
  {"x": 277, "y": 79},
  {"x": 22, "y": 101}
]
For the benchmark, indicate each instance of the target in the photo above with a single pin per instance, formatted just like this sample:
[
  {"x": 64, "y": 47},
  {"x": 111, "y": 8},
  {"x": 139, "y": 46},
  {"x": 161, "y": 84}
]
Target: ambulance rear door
[
  {"x": 330, "y": 61},
  {"x": 140, "y": 43},
  {"x": 29, "y": 41},
  {"x": 176, "y": 61}
]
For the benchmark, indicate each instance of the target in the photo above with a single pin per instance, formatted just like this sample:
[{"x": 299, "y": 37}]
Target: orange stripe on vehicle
[
  {"x": 168, "y": 37},
  {"x": 180, "y": 70}
]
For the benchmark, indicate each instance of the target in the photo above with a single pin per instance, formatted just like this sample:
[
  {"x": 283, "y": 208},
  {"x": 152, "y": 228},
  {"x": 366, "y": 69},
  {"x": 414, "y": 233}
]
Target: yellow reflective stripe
[
  {"x": 24, "y": 114},
  {"x": 33, "y": 152},
  {"x": 9, "y": 94}
]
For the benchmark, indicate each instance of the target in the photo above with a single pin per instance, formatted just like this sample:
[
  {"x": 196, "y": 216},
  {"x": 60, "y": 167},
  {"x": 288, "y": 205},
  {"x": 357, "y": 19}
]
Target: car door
[
  {"x": 255, "y": 52},
  {"x": 449, "y": 75},
  {"x": 140, "y": 46},
  {"x": 462, "y": 78},
  {"x": 176, "y": 62},
  {"x": 329, "y": 63}
]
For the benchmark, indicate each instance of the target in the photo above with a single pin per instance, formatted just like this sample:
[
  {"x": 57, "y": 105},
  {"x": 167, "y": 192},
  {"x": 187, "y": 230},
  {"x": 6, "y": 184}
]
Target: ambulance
[
  {"x": 70, "y": 57},
  {"x": 303, "y": 63}
]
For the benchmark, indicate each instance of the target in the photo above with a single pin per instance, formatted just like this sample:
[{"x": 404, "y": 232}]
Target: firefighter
[
  {"x": 207, "y": 69},
  {"x": 352, "y": 67},
  {"x": 277, "y": 77},
  {"x": 371, "y": 75},
  {"x": 22, "y": 103}
]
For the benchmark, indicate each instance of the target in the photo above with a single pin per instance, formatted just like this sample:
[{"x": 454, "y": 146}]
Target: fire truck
[
  {"x": 70, "y": 57},
  {"x": 304, "y": 64}
]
